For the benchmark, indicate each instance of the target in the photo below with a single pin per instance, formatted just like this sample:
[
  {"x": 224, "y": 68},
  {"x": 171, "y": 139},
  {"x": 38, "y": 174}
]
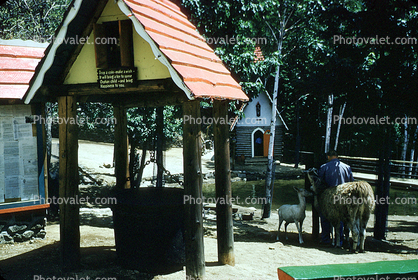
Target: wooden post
[
  {"x": 68, "y": 182},
  {"x": 160, "y": 146},
  {"x": 192, "y": 151},
  {"x": 121, "y": 147},
  {"x": 224, "y": 222}
]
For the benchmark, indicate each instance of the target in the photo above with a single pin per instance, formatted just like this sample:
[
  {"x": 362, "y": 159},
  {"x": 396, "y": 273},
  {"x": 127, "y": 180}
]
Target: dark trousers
[{"x": 326, "y": 231}]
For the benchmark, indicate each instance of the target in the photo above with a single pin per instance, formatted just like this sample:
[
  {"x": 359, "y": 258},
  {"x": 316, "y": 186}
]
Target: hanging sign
[{"x": 116, "y": 78}]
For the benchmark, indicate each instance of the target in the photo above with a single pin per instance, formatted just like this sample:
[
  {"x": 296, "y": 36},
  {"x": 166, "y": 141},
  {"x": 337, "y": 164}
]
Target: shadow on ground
[
  {"x": 95, "y": 262},
  {"x": 248, "y": 231}
]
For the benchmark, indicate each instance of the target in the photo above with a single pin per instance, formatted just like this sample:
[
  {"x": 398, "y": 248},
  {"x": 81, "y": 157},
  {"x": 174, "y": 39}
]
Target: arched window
[{"x": 258, "y": 109}]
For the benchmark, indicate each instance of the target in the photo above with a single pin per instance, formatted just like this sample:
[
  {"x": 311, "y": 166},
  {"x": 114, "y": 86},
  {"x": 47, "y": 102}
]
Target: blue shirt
[{"x": 335, "y": 173}]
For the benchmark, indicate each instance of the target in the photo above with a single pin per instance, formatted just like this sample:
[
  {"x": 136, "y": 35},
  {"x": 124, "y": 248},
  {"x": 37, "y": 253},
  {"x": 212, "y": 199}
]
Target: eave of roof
[
  {"x": 18, "y": 60},
  {"x": 192, "y": 64}
]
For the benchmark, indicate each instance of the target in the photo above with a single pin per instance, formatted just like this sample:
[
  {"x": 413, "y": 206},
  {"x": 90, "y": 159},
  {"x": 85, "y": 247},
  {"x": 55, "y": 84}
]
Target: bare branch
[
  {"x": 289, "y": 52},
  {"x": 272, "y": 31},
  {"x": 293, "y": 26},
  {"x": 290, "y": 15}
]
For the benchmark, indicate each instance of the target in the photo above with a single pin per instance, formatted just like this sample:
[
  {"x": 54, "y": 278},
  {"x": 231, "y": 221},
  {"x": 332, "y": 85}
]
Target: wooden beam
[
  {"x": 23, "y": 209},
  {"x": 224, "y": 222},
  {"x": 121, "y": 147},
  {"x": 100, "y": 50},
  {"x": 192, "y": 148},
  {"x": 126, "y": 43},
  {"x": 143, "y": 86},
  {"x": 68, "y": 183}
]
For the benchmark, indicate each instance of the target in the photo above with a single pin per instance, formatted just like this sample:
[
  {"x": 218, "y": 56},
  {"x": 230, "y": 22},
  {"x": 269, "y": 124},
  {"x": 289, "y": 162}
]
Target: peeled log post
[
  {"x": 192, "y": 165},
  {"x": 68, "y": 183},
  {"x": 121, "y": 148},
  {"x": 224, "y": 220}
]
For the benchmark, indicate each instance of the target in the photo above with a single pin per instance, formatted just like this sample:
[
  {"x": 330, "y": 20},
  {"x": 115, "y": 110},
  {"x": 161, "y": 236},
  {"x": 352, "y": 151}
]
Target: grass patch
[
  {"x": 284, "y": 193},
  {"x": 252, "y": 193}
]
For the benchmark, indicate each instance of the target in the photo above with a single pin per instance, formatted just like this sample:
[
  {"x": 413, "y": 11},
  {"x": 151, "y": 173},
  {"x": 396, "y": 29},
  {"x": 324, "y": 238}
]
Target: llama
[
  {"x": 351, "y": 203},
  {"x": 294, "y": 213}
]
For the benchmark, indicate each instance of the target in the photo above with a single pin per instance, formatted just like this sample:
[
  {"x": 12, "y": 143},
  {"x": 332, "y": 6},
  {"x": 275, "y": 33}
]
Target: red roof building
[
  {"x": 17, "y": 66},
  {"x": 174, "y": 40}
]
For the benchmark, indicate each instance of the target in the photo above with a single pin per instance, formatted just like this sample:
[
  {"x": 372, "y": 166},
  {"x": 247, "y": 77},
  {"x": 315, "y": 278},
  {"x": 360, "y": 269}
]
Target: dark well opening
[{"x": 149, "y": 226}]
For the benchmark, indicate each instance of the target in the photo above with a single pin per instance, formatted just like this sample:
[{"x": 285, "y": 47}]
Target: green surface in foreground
[
  {"x": 285, "y": 194},
  {"x": 333, "y": 271}
]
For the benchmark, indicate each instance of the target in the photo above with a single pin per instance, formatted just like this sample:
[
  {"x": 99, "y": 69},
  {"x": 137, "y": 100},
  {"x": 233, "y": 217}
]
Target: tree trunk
[
  {"x": 132, "y": 162},
  {"x": 142, "y": 165},
  {"x": 339, "y": 126},
  {"x": 382, "y": 190},
  {"x": 414, "y": 140},
  {"x": 405, "y": 146},
  {"x": 269, "y": 174},
  {"x": 121, "y": 147},
  {"x": 297, "y": 146},
  {"x": 270, "y": 165},
  {"x": 329, "y": 123}
]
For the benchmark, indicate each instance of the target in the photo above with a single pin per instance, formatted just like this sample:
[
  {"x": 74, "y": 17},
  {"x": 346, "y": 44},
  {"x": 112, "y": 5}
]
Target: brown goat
[{"x": 351, "y": 203}]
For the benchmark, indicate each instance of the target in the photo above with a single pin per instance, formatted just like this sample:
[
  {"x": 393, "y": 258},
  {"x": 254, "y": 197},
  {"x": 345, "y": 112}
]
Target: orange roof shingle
[
  {"x": 202, "y": 71},
  {"x": 17, "y": 66}
]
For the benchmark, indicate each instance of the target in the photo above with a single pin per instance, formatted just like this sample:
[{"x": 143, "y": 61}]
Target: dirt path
[
  {"x": 257, "y": 253},
  {"x": 97, "y": 158}
]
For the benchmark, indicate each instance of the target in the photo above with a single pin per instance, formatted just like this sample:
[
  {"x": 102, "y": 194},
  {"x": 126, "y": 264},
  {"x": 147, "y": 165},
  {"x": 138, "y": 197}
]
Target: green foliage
[
  {"x": 142, "y": 126},
  {"x": 371, "y": 78},
  {"x": 374, "y": 79},
  {"x": 98, "y": 122},
  {"x": 31, "y": 19}
]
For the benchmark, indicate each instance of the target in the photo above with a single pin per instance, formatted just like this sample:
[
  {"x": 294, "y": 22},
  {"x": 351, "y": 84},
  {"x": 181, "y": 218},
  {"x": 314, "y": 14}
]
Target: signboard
[
  {"x": 117, "y": 78},
  {"x": 18, "y": 155}
]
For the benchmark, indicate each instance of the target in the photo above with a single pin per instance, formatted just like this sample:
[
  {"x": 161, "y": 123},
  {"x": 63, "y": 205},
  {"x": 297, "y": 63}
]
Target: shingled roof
[
  {"x": 17, "y": 66},
  {"x": 193, "y": 65}
]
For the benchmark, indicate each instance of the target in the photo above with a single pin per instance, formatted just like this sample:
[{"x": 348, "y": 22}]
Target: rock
[
  {"x": 4, "y": 235},
  {"x": 27, "y": 235},
  {"x": 210, "y": 175},
  {"x": 37, "y": 226},
  {"x": 16, "y": 229},
  {"x": 248, "y": 216},
  {"x": 41, "y": 234},
  {"x": 18, "y": 237}
]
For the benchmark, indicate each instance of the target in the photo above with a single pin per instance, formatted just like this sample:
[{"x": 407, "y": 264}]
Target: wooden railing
[{"x": 398, "y": 168}]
